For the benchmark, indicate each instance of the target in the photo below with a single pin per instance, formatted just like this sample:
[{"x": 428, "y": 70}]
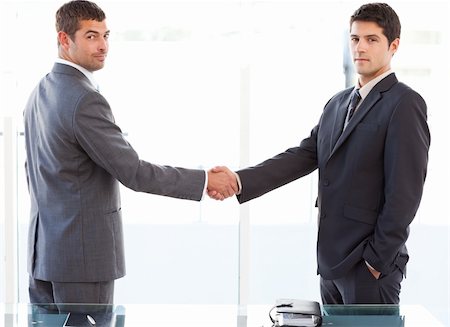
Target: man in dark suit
[
  {"x": 372, "y": 160},
  {"x": 76, "y": 157}
]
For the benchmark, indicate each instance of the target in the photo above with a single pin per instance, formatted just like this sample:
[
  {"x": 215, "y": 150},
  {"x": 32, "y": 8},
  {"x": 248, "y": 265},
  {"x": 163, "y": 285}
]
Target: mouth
[
  {"x": 358, "y": 60},
  {"x": 100, "y": 57}
]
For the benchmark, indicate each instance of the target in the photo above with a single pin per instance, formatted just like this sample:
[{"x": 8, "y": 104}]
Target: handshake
[{"x": 222, "y": 183}]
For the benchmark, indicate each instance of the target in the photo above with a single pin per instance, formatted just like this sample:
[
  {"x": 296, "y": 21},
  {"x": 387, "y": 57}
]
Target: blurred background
[{"x": 205, "y": 83}]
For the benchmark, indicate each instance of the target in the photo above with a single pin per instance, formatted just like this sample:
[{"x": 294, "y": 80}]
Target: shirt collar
[
  {"x": 87, "y": 73},
  {"x": 365, "y": 90}
]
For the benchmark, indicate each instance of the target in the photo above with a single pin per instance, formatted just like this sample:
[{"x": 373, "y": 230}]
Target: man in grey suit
[
  {"x": 76, "y": 157},
  {"x": 372, "y": 161}
]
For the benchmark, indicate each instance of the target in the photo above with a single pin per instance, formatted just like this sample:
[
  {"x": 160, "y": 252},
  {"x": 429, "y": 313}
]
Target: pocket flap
[{"x": 361, "y": 215}]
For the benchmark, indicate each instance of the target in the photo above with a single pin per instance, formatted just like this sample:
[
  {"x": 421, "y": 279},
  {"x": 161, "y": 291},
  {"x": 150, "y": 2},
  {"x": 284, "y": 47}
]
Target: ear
[
  {"x": 63, "y": 39},
  {"x": 394, "y": 46}
]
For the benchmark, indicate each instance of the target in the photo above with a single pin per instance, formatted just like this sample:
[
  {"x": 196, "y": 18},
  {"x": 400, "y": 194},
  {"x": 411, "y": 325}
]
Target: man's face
[
  {"x": 89, "y": 46},
  {"x": 370, "y": 49}
]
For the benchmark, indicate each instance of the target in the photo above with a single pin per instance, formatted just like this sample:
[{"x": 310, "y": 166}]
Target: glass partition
[{"x": 2, "y": 221}]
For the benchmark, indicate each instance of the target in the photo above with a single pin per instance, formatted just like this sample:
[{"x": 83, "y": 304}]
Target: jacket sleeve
[
  {"x": 279, "y": 170},
  {"x": 405, "y": 169},
  {"x": 103, "y": 141}
]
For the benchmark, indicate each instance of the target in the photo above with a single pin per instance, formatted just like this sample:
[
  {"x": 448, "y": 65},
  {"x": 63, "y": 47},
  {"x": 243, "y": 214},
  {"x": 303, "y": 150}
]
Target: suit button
[
  {"x": 326, "y": 182},
  {"x": 323, "y": 216}
]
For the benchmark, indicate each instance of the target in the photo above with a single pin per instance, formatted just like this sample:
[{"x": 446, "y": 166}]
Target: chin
[
  {"x": 97, "y": 67},
  {"x": 363, "y": 72}
]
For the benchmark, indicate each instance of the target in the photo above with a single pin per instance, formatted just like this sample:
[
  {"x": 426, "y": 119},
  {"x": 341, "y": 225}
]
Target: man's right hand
[{"x": 222, "y": 183}]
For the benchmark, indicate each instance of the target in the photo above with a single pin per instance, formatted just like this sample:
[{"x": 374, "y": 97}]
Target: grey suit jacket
[
  {"x": 371, "y": 176},
  {"x": 76, "y": 157}
]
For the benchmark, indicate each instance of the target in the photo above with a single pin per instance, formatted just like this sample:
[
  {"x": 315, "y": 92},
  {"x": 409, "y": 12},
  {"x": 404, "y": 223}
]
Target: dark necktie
[{"x": 356, "y": 97}]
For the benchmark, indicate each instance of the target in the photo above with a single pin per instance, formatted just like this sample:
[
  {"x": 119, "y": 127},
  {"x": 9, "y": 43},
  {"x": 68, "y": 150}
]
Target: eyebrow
[
  {"x": 366, "y": 36},
  {"x": 96, "y": 32}
]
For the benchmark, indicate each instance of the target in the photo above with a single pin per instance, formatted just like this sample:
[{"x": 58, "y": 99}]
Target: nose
[
  {"x": 103, "y": 44},
  {"x": 360, "y": 46}
]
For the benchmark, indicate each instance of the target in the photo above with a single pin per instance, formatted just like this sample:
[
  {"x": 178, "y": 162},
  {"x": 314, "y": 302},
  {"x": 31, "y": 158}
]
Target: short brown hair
[
  {"x": 381, "y": 14},
  {"x": 70, "y": 14}
]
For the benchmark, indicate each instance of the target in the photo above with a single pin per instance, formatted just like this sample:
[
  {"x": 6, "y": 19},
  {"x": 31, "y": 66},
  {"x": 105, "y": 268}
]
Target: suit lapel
[
  {"x": 340, "y": 119},
  {"x": 369, "y": 102}
]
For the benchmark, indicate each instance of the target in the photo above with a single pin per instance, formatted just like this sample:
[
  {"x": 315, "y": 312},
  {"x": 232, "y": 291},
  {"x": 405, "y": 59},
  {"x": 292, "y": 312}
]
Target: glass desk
[{"x": 136, "y": 315}]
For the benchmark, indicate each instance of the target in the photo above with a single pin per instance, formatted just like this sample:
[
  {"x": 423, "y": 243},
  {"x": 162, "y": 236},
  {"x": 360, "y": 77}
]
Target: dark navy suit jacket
[{"x": 371, "y": 176}]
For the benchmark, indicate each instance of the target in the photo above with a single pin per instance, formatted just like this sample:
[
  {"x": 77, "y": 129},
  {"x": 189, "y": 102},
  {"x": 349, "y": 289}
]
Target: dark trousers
[
  {"x": 359, "y": 286},
  {"x": 54, "y": 292}
]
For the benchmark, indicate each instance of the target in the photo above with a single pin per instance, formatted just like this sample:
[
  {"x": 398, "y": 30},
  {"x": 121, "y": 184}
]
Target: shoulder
[
  {"x": 70, "y": 88},
  {"x": 92, "y": 105},
  {"x": 392, "y": 86},
  {"x": 404, "y": 94},
  {"x": 408, "y": 106}
]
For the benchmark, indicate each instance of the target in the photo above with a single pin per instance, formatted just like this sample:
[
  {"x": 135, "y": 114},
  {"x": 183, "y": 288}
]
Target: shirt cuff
[
  {"x": 369, "y": 265},
  {"x": 238, "y": 179},
  {"x": 205, "y": 190}
]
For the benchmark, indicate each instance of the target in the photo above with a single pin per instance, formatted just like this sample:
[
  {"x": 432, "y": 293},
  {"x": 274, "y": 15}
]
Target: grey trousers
[{"x": 54, "y": 292}]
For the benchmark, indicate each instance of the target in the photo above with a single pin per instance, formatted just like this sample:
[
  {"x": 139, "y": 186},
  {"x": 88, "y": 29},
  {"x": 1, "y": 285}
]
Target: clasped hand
[{"x": 222, "y": 183}]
